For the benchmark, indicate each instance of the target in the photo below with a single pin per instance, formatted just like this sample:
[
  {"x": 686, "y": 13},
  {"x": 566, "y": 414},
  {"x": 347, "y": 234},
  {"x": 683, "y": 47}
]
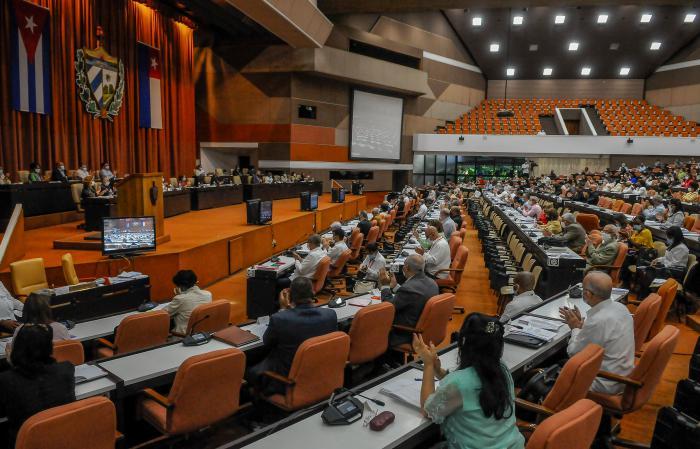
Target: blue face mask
[{"x": 669, "y": 242}]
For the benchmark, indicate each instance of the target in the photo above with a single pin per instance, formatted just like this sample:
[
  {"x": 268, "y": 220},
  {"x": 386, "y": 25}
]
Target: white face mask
[{"x": 37, "y": 170}]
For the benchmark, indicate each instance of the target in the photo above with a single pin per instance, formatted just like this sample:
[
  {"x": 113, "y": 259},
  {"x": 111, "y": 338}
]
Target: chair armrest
[
  {"x": 618, "y": 378},
  {"x": 532, "y": 407},
  {"x": 159, "y": 398},
  {"x": 401, "y": 327},
  {"x": 279, "y": 377},
  {"x": 177, "y": 334},
  {"x": 106, "y": 342}
]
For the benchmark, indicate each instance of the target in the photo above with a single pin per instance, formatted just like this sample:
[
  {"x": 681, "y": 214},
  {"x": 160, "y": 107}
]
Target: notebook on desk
[{"x": 235, "y": 336}]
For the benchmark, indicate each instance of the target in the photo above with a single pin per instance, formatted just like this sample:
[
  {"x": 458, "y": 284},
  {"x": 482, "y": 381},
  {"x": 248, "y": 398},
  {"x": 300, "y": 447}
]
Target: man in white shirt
[
  {"x": 339, "y": 245},
  {"x": 187, "y": 297},
  {"x": 8, "y": 306},
  {"x": 438, "y": 256},
  {"x": 82, "y": 172},
  {"x": 306, "y": 267},
  {"x": 422, "y": 210},
  {"x": 525, "y": 297},
  {"x": 609, "y": 325},
  {"x": 373, "y": 263},
  {"x": 448, "y": 224},
  {"x": 336, "y": 225}
]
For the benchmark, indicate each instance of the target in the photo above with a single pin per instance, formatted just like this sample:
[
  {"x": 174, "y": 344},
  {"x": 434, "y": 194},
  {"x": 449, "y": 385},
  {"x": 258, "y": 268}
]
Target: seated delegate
[
  {"x": 573, "y": 235},
  {"x": 38, "y": 311},
  {"x": 338, "y": 247},
  {"x": 437, "y": 257},
  {"x": 36, "y": 381},
  {"x": 601, "y": 248},
  {"x": 187, "y": 296},
  {"x": 523, "y": 286},
  {"x": 475, "y": 404},
  {"x": 305, "y": 267},
  {"x": 672, "y": 264},
  {"x": 373, "y": 263},
  {"x": 295, "y": 322},
  {"x": 9, "y": 307}
]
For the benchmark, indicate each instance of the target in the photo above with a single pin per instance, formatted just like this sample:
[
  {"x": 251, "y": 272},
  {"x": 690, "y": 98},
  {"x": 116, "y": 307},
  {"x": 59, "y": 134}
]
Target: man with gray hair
[
  {"x": 408, "y": 298},
  {"x": 607, "y": 324},
  {"x": 602, "y": 248},
  {"x": 573, "y": 235},
  {"x": 523, "y": 286},
  {"x": 336, "y": 225},
  {"x": 305, "y": 267},
  {"x": 448, "y": 224}
]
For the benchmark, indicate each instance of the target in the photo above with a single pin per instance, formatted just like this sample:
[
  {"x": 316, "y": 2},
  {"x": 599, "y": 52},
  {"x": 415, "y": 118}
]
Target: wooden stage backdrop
[{"x": 215, "y": 243}]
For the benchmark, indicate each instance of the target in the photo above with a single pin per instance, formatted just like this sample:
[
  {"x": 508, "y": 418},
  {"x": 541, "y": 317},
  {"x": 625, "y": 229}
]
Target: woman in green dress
[{"x": 475, "y": 404}]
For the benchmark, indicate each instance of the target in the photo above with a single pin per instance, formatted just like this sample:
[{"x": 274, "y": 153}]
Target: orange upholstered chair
[
  {"x": 69, "y": 274},
  {"x": 589, "y": 222},
  {"x": 317, "y": 370},
  {"x": 356, "y": 245},
  {"x": 667, "y": 291},
  {"x": 219, "y": 315},
  {"x": 459, "y": 261},
  {"x": 573, "y": 383},
  {"x": 337, "y": 269},
  {"x": 455, "y": 242},
  {"x": 205, "y": 391},
  {"x": 69, "y": 351},
  {"x": 392, "y": 216},
  {"x": 137, "y": 332},
  {"x": 573, "y": 428},
  {"x": 372, "y": 235},
  {"x": 432, "y": 324},
  {"x": 636, "y": 209},
  {"x": 626, "y": 208},
  {"x": 28, "y": 276},
  {"x": 641, "y": 383},
  {"x": 617, "y": 205},
  {"x": 689, "y": 222},
  {"x": 90, "y": 423},
  {"x": 644, "y": 317},
  {"x": 319, "y": 281},
  {"x": 696, "y": 226},
  {"x": 615, "y": 268},
  {"x": 369, "y": 332}
]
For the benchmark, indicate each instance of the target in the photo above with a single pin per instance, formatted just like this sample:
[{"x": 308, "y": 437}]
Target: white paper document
[{"x": 404, "y": 390}]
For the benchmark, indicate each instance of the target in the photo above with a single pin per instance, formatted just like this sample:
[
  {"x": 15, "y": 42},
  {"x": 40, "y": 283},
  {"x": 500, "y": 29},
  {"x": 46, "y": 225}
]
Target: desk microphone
[{"x": 199, "y": 338}]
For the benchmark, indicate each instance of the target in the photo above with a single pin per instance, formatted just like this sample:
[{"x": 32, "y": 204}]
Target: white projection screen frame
[{"x": 376, "y": 124}]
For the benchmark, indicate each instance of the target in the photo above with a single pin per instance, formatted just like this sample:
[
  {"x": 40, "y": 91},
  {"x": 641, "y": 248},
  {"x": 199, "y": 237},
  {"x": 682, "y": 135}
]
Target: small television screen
[
  {"x": 253, "y": 211},
  {"x": 304, "y": 201},
  {"x": 313, "y": 198},
  {"x": 265, "y": 212},
  {"x": 128, "y": 235},
  {"x": 341, "y": 196}
]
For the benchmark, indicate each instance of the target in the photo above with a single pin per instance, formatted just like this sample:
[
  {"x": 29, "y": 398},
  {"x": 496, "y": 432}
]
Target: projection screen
[{"x": 376, "y": 126}]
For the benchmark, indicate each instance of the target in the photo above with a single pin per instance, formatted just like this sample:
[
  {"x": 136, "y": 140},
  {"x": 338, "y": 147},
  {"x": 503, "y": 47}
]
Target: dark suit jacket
[
  {"x": 364, "y": 227},
  {"x": 287, "y": 330},
  {"x": 574, "y": 236},
  {"x": 58, "y": 175},
  {"x": 409, "y": 301},
  {"x": 22, "y": 396}
]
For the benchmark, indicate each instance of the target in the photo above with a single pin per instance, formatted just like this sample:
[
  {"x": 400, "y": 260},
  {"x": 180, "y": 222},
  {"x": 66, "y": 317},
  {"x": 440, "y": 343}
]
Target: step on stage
[{"x": 215, "y": 243}]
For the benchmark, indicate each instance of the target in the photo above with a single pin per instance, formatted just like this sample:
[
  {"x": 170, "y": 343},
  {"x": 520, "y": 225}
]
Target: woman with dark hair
[
  {"x": 36, "y": 381},
  {"x": 38, "y": 311},
  {"x": 475, "y": 404},
  {"x": 672, "y": 264},
  {"x": 675, "y": 213}
]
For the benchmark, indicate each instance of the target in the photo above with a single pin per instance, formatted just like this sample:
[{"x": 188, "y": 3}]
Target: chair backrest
[
  {"x": 142, "y": 330},
  {"x": 536, "y": 272},
  {"x": 318, "y": 369},
  {"x": 689, "y": 222},
  {"x": 572, "y": 428},
  {"x": 372, "y": 234},
  {"x": 320, "y": 274},
  {"x": 455, "y": 242},
  {"x": 617, "y": 263},
  {"x": 219, "y": 315},
  {"x": 650, "y": 368},
  {"x": 575, "y": 378},
  {"x": 206, "y": 390},
  {"x": 337, "y": 269},
  {"x": 588, "y": 221},
  {"x": 369, "y": 332},
  {"x": 356, "y": 245},
  {"x": 28, "y": 276},
  {"x": 636, "y": 209},
  {"x": 644, "y": 317},
  {"x": 68, "y": 266},
  {"x": 69, "y": 351},
  {"x": 660, "y": 248},
  {"x": 459, "y": 262},
  {"x": 76, "y": 192},
  {"x": 626, "y": 208},
  {"x": 71, "y": 426},
  {"x": 617, "y": 205},
  {"x": 433, "y": 320},
  {"x": 696, "y": 225},
  {"x": 667, "y": 291}
]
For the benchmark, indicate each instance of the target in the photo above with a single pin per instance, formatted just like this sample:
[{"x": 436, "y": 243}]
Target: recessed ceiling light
[
  {"x": 602, "y": 18},
  {"x": 533, "y": 47},
  {"x": 494, "y": 48},
  {"x": 689, "y": 18},
  {"x": 624, "y": 71},
  {"x": 646, "y": 18},
  {"x": 510, "y": 71},
  {"x": 518, "y": 20},
  {"x": 585, "y": 71},
  {"x": 655, "y": 45},
  {"x": 559, "y": 19},
  {"x": 573, "y": 46},
  {"x": 615, "y": 46},
  {"x": 547, "y": 71},
  {"x": 477, "y": 21}
]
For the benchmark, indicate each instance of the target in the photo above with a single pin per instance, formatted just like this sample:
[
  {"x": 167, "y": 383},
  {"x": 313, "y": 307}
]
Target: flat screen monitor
[
  {"x": 253, "y": 211},
  {"x": 313, "y": 201},
  {"x": 128, "y": 235},
  {"x": 265, "y": 212},
  {"x": 341, "y": 196},
  {"x": 304, "y": 201}
]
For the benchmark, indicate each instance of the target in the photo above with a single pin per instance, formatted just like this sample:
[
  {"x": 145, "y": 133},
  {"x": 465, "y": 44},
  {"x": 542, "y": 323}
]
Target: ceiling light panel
[
  {"x": 547, "y": 71},
  {"x": 602, "y": 18},
  {"x": 655, "y": 46},
  {"x": 689, "y": 18},
  {"x": 510, "y": 71},
  {"x": 560, "y": 19},
  {"x": 573, "y": 46},
  {"x": 493, "y": 48},
  {"x": 518, "y": 20},
  {"x": 477, "y": 21},
  {"x": 646, "y": 18},
  {"x": 624, "y": 71}
]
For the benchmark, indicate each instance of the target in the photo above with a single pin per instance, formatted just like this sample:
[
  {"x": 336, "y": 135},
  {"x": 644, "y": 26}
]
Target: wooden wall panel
[{"x": 563, "y": 88}]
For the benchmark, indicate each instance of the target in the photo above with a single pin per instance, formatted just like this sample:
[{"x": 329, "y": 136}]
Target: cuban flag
[
  {"x": 30, "y": 48},
  {"x": 150, "y": 111}
]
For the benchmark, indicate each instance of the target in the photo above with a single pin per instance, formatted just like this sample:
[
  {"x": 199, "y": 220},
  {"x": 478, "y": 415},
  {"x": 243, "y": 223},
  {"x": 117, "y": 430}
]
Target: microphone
[
  {"x": 198, "y": 338},
  {"x": 205, "y": 317},
  {"x": 376, "y": 401}
]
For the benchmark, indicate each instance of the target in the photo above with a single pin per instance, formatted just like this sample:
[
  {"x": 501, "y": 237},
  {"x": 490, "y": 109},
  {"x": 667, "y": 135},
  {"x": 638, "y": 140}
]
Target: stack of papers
[
  {"x": 87, "y": 373},
  {"x": 404, "y": 390},
  {"x": 360, "y": 302},
  {"x": 541, "y": 323},
  {"x": 532, "y": 331},
  {"x": 129, "y": 275}
]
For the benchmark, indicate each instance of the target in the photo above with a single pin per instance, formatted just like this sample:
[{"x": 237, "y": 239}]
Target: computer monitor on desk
[
  {"x": 308, "y": 201},
  {"x": 337, "y": 195},
  {"x": 265, "y": 212},
  {"x": 258, "y": 212},
  {"x": 128, "y": 235}
]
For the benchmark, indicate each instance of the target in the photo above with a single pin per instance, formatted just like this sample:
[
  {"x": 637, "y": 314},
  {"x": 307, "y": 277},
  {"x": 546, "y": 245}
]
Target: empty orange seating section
[{"x": 621, "y": 117}]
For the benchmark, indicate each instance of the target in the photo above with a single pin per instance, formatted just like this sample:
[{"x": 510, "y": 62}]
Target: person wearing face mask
[
  {"x": 82, "y": 172},
  {"x": 641, "y": 237},
  {"x": 675, "y": 213},
  {"x": 437, "y": 257},
  {"x": 4, "y": 177},
  {"x": 692, "y": 195},
  {"x": 35, "y": 173},
  {"x": 672, "y": 264},
  {"x": 654, "y": 208},
  {"x": 187, "y": 296},
  {"x": 374, "y": 261},
  {"x": 59, "y": 173},
  {"x": 573, "y": 235},
  {"x": 408, "y": 298},
  {"x": 523, "y": 286},
  {"x": 607, "y": 324},
  {"x": 602, "y": 248},
  {"x": 106, "y": 171}
]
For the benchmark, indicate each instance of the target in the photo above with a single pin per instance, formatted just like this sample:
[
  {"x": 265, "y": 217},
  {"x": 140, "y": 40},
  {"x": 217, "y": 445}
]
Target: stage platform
[{"x": 215, "y": 243}]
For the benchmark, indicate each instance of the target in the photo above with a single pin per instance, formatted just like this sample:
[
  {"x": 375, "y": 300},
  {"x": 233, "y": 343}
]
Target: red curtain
[{"x": 70, "y": 134}]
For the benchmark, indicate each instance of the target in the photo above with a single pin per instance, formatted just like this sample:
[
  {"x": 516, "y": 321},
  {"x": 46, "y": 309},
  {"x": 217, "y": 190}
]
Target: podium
[{"x": 141, "y": 194}]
